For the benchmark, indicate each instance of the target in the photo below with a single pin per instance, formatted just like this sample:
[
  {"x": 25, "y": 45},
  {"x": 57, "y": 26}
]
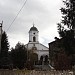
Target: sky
[{"x": 45, "y": 14}]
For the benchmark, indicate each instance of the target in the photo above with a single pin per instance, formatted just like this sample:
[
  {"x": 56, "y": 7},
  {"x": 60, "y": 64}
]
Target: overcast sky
[{"x": 44, "y": 13}]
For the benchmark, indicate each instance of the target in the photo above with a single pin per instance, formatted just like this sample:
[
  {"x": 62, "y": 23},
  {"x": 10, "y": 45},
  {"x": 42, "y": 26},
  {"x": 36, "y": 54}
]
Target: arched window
[
  {"x": 34, "y": 39},
  {"x": 46, "y": 59}
]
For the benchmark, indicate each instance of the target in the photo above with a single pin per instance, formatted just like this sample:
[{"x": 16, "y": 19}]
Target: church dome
[{"x": 33, "y": 29}]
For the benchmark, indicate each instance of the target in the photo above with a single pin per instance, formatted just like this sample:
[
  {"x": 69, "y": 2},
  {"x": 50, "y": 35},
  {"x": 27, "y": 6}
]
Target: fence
[{"x": 33, "y": 72}]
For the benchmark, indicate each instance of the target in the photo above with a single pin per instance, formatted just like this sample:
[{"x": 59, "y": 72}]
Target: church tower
[{"x": 33, "y": 34}]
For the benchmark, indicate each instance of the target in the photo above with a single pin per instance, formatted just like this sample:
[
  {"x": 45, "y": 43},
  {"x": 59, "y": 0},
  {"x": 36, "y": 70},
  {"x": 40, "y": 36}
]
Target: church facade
[{"x": 34, "y": 45}]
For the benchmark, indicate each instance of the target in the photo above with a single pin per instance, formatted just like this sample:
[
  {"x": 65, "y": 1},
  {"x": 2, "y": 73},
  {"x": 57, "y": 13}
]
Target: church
[{"x": 34, "y": 44}]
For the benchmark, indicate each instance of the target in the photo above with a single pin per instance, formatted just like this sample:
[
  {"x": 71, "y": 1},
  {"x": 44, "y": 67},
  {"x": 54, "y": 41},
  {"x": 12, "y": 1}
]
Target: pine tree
[
  {"x": 4, "y": 45},
  {"x": 68, "y": 18},
  {"x": 66, "y": 28},
  {"x": 19, "y": 56},
  {"x": 67, "y": 25},
  {"x": 4, "y": 58}
]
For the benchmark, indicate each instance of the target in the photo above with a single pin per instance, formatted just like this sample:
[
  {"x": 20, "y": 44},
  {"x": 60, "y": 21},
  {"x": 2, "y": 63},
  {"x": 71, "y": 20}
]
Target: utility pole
[{"x": 0, "y": 34}]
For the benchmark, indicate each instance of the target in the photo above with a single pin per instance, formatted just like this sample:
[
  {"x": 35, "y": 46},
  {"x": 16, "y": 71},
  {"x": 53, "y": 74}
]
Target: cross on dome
[
  {"x": 33, "y": 24},
  {"x": 33, "y": 28}
]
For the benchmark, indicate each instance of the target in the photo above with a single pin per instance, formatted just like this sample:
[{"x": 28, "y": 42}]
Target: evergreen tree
[
  {"x": 4, "y": 59},
  {"x": 66, "y": 28},
  {"x": 68, "y": 18},
  {"x": 4, "y": 45},
  {"x": 19, "y": 56},
  {"x": 67, "y": 25}
]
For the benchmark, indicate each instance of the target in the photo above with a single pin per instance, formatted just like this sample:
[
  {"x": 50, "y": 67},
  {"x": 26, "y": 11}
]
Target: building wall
[
  {"x": 37, "y": 45},
  {"x": 41, "y": 49},
  {"x": 54, "y": 49},
  {"x": 58, "y": 55},
  {"x": 31, "y": 35},
  {"x": 42, "y": 53}
]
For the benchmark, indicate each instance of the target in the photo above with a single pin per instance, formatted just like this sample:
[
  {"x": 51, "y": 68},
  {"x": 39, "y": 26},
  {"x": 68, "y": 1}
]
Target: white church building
[{"x": 35, "y": 45}]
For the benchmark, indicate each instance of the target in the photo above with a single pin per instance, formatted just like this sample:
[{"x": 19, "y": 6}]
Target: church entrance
[{"x": 33, "y": 58}]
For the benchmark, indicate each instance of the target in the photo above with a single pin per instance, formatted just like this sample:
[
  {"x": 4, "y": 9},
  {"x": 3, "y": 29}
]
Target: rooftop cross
[{"x": 33, "y": 24}]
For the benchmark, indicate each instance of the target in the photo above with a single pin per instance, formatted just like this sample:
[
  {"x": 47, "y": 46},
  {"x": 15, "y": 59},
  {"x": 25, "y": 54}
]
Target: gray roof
[{"x": 33, "y": 29}]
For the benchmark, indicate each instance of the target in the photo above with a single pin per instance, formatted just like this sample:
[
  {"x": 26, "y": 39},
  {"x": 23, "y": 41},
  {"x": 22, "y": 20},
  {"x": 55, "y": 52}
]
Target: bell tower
[{"x": 33, "y": 34}]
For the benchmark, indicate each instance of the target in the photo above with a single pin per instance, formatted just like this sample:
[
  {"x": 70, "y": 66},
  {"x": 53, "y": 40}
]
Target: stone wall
[{"x": 33, "y": 72}]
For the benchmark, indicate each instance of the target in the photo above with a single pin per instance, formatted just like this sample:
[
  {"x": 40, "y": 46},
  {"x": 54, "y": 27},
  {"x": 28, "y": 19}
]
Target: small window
[{"x": 34, "y": 33}]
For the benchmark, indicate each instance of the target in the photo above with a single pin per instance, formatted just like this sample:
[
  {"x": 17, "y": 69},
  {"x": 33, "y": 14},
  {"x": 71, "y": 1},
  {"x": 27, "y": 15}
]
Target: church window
[
  {"x": 41, "y": 58},
  {"x": 34, "y": 45},
  {"x": 34, "y": 33},
  {"x": 34, "y": 39}
]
